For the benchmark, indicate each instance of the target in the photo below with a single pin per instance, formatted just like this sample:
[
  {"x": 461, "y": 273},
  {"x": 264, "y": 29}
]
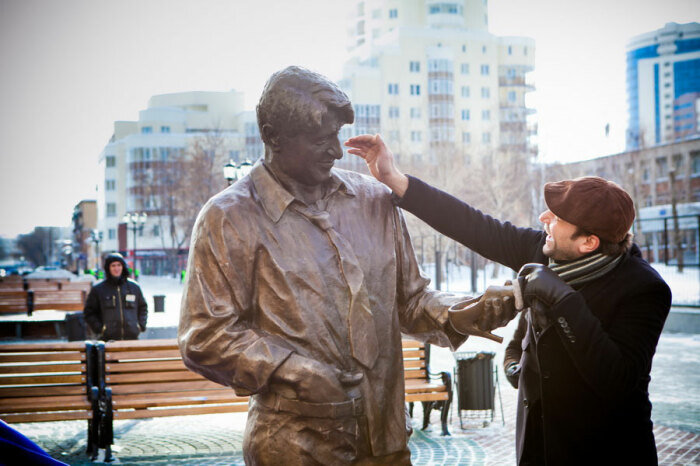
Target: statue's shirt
[{"x": 269, "y": 276}]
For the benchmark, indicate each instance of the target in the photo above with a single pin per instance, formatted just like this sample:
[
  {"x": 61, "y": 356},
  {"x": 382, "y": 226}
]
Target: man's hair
[
  {"x": 607, "y": 248},
  {"x": 295, "y": 100}
]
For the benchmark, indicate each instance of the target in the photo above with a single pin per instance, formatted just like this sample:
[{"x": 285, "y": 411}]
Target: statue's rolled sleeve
[
  {"x": 423, "y": 312},
  {"x": 217, "y": 333}
]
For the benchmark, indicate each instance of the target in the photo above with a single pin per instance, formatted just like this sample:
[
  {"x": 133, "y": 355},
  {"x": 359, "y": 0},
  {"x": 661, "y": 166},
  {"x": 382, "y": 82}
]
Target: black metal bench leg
[
  {"x": 447, "y": 381},
  {"x": 427, "y": 408},
  {"x": 410, "y": 409}
]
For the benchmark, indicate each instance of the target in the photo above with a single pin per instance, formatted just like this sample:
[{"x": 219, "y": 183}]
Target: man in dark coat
[
  {"x": 115, "y": 308},
  {"x": 596, "y": 310}
]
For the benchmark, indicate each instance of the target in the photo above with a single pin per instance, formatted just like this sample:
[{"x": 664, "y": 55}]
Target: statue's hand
[{"x": 308, "y": 380}]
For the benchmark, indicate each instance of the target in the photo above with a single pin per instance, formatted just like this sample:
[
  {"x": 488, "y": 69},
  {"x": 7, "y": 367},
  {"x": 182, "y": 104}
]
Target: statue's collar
[{"x": 275, "y": 199}]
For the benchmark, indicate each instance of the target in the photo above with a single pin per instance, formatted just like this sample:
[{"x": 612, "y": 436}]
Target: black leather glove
[
  {"x": 544, "y": 285},
  {"x": 513, "y": 373}
]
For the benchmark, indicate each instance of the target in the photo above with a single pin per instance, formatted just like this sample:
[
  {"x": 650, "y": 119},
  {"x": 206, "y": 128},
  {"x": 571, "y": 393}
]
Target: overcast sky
[{"x": 70, "y": 68}]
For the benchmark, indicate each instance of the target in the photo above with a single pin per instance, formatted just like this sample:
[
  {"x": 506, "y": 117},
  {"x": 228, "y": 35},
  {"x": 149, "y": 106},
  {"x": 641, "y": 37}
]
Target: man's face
[
  {"x": 115, "y": 269},
  {"x": 560, "y": 244},
  {"x": 309, "y": 157}
]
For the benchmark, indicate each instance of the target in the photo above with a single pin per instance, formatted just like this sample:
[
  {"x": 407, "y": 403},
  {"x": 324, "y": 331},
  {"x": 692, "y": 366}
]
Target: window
[
  {"x": 486, "y": 115},
  {"x": 414, "y": 66},
  {"x": 465, "y": 91},
  {"x": 416, "y": 136},
  {"x": 111, "y": 233},
  {"x": 165, "y": 129},
  {"x": 511, "y": 96},
  {"x": 464, "y": 48},
  {"x": 466, "y": 138},
  {"x": 147, "y": 130},
  {"x": 524, "y": 50},
  {"x": 393, "y": 112},
  {"x": 111, "y": 209},
  {"x": 510, "y": 50},
  {"x": 484, "y": 70},
  {"x": 110, "y": 185},
  {"x": 445, "y": 8},
  {"x": 393, "y": 13},
  {"x": 464, "y": 68},
  {"x": 415, "y": 112},
  {"x": 483, "y": 47},
  {"x": 110, "y": 161},
  {"x": 695, "y": 163},
  {"x": 485, "y": 92},
  {"x": 156, "y": 230},
  {"x": 465, "y": 114},
  {"x": 661, "y": 167},
  {"x": 486, "y": 137},
  {"x": 415, "y": 89},
  {"x": 393, "y": 89}
]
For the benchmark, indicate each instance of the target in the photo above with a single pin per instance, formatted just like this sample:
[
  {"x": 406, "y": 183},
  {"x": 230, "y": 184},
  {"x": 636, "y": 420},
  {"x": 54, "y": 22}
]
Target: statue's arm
[{"x": 217, "y": 334}]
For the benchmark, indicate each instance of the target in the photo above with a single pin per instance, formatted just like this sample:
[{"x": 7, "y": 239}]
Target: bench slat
[
  {"x": 415, "y": 374},
  {"x": 148, "y": 413},
  {"x": 149, "y": 377},
  {"x": 176, "y": 399},
  {"x": 438, "y": 396},
  {"x": 48, "y": 403},
  {"x": 40, "y": 368},
  {"x": 78, "y": 346},
  {"x": 42, "y": 390},
  {"x": 131, "y": 345},
  {"x": 146, "y": 354},
  {"x": 197, "y": 384},
  {"x": 39, "y": 357},
  {"x": 414, "y": 363},
  {"x": 43, "y": 379},
  {"x": 47, "y": 417},
  {"x": 145, "y": 366}
]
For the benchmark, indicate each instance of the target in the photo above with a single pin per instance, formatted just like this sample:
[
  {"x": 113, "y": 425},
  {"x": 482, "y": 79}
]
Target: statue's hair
[{"x": 295, "y": 100}]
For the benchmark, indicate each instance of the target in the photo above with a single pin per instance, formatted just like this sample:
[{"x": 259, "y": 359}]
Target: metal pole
[{"x": 665, "y": 241}]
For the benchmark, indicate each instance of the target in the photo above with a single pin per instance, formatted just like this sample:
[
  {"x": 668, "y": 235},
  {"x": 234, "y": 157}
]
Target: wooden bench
[
  {"x": 15, "y": 302},
  {"x": 49, "y": 382},
  {"x": 147, "y": 378},
  {"x": 434, "y": 390}
]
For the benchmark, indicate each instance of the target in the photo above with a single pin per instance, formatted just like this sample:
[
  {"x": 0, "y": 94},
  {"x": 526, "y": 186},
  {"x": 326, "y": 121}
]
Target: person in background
[
  {"x": 115, "y": 308},
  {"x": 595, "y": 312}
]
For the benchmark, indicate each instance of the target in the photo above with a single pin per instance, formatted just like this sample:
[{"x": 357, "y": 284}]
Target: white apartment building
[
  {"x": 663, "y": 85},
  {"x": 429, "y": 76},
  {"x": 164, "y": 130}
]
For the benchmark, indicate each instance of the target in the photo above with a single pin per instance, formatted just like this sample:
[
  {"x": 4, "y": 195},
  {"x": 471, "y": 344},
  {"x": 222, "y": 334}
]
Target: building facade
[
  {"x": 431, "y": 78},
  {"x": 144, "y": 159},
  {"x": 663, "y": 85},
  {"x": 664, "y": 182},
  {"x": 85, "y": 240}
]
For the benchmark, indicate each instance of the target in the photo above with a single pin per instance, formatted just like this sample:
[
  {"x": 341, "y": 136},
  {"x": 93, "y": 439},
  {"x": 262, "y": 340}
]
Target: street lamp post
[
  {"x": 135, "y": 222},
  {"x": 96, "y": 237},
  {"x": 233, "y": 173}
]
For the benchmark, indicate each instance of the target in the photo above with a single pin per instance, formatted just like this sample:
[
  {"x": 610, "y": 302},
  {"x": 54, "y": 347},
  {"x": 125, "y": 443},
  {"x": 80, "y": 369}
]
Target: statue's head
[{"x": 299, "y": 115}]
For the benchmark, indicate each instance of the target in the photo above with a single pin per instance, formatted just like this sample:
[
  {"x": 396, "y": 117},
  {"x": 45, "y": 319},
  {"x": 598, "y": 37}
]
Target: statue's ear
[{"x": 271, "y": 136}]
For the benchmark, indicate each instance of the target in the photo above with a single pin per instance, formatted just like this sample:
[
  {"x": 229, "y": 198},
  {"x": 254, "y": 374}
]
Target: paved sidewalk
[{"x": 216, "y": 439}]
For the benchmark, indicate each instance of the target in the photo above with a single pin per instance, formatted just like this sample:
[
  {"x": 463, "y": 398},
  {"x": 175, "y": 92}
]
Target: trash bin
[
  {"x": 474, "y": 382},
  {"x": 159, "y": 303},
  {"x": 75, "y": 326}
]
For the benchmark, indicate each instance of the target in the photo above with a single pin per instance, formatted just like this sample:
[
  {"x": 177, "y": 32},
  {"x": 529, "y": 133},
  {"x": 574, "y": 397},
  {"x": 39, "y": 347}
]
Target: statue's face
[{"x": 309, "y": 157}]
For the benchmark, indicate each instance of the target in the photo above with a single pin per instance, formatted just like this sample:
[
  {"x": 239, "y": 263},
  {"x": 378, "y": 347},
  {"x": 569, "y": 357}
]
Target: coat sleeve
[
  {"x": 217, "y": 334},
  {"x": 514, "y": 349},
  {"x": 498, "y": 241},
  {"x": 423, "y": 312},
  {"x": 142, "y": 310},
  {"x": 614, "y": 359},
  {"x": 93, "y": 316}
]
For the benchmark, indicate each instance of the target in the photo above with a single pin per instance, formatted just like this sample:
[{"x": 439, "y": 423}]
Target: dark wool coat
[{"x": 583, "y": 396}]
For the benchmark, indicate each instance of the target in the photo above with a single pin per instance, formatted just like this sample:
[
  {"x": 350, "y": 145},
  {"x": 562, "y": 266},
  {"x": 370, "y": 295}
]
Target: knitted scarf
[{"x": 586, "y": 269}]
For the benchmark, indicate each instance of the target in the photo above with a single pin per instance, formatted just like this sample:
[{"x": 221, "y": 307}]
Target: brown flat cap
[{"x": 596, "y": 205}]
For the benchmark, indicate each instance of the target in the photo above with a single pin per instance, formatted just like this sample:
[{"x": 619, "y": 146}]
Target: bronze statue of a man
[{"x": 301, "y": 278}]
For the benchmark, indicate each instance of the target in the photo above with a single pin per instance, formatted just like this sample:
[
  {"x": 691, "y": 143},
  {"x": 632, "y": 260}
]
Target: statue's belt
[{"x": 340, "y": 409}]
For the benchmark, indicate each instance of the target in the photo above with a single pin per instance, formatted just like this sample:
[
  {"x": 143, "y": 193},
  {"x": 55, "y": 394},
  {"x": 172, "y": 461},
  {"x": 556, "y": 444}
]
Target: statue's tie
[{"x": 361, "y": 328}]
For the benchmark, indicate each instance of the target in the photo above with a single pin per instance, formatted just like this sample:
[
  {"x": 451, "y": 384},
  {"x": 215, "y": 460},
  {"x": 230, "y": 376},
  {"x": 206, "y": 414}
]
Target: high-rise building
[
  {"x": 142, "y": 157},
  {"x": 429, "y": 76},
  {"x": 663, "y": 82}
]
